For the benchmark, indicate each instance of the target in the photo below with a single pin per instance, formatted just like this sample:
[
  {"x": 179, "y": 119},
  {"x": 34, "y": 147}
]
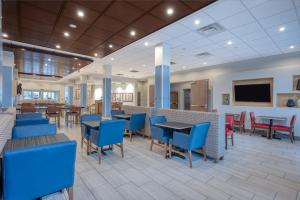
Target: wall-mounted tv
[{"x": 253, "y": 93}]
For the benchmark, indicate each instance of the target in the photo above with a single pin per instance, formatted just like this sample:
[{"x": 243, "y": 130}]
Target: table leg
[{"x": 270, "y": 129}]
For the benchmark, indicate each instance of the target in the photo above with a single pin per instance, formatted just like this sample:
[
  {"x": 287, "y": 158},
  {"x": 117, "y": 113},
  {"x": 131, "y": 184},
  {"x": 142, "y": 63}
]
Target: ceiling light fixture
[
  {"x": 146, "y": 44},
  {"x": 281, "y": 29},
  {"x": 170, "y": 11},
  {"x": 292, "y": 47},
  {"x": 112, "y": 59},
  {"x": 4, "y": 35},
  {"x": 197, "y": 22},
  {"x": 95, "y": 54},
  {"x": 132, "y": 33},
  {"x": 57, "y": 46},
  {"x": 46, "y": 64},
  {"x": 229, "y": 42},
  {"x": 110, "y": 46},
  {"x": 144, "y": 65},
  {"x": 76, "y": 58},
  {"x": 205, "y": 63},
  {"x": 79, "y": 64},
  {"x": 66, "y": 34},
  {"x": 80, "y": 13},
  {"x": 73, "y": 26},
  {"x": 49, "y": 59},
  {"x": 183, "y": 67}
]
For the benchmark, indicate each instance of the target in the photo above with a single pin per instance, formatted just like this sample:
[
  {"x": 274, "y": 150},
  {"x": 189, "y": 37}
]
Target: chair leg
[
  {"x": 166, "y": 150},
  {"x": 291, "y": 137},
  {"x": 190, "y": 159},
  {"x": 151, "y": 144},
  {"x": 170, "y": 150},
  {"x": 226, "y": 141},
  {"x": 122, "y": 150},
  {"x": 232, "y": 139},
  {"x": 81, "y": 142},
  {"x": 130, "y": 136},
  {"x": 70, "y": 193},
  {"x": 99, "y": 154}
]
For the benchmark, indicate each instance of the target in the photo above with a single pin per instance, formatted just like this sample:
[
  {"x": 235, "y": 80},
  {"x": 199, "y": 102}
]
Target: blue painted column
[
  {"x": 162, "y": 76},
  {"x": 83, "y": 92},
  {"x": 71, "y": 93},
  {"x": 6, "y": 84},
  {"x": 106, "y": 102}
]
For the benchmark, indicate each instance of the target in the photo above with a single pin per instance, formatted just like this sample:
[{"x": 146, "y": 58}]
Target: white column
[
  {"x": 106, "y": 103},
  {"x": 83, "y": 92}
]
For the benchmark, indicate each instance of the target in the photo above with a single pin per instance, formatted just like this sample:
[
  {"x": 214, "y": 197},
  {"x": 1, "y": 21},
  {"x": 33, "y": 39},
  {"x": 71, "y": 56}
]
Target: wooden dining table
[{"x": 271, "y": 120}]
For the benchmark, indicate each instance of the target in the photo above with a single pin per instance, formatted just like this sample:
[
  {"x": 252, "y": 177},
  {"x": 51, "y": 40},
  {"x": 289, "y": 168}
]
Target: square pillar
[
  {"x": 83, "y": 93},
  {"x": 106, "y": 102}
]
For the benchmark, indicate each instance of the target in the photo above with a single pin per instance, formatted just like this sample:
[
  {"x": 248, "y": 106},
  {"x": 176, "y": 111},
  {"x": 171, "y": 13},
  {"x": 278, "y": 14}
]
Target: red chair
[
  {"x": 240, "y": 123},
  {"x": 229, "y": 129},
  {"x": 289, "y": 129},
  {"x": 255, "y": 125}
]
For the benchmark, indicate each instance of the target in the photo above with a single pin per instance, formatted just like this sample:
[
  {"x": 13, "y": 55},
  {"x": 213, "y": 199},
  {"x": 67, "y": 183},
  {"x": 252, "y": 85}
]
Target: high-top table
[{"x": 271, "y": 120}]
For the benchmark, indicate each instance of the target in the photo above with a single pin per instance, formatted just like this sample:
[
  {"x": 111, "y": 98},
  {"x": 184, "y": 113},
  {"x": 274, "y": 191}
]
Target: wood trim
[
  {"x": 253, "y": 81},
  {"x": 295, "y": 80}
]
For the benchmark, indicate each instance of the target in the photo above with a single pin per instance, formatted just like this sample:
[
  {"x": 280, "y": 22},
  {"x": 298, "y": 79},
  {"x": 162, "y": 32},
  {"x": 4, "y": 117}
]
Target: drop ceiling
[{"x": 252, "y": 30}]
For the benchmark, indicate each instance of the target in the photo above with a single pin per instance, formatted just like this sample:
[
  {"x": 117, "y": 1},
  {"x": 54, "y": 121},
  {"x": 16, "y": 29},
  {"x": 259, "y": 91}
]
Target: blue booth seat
[
  {"x": 193, "y": 141},
  {"x": 162, "y": 135},
  {"x": 31, "y": 173},
  {"x": 136, "y": 123},
  {"x": 33, "y": 121},
  {"x": 85, "y": 131},
  {"x": 116, "y": 112},
  {"x": 29, "y": 115},
  {"x": 33, "y": 130},
  {"x": 110, "y": 133}
]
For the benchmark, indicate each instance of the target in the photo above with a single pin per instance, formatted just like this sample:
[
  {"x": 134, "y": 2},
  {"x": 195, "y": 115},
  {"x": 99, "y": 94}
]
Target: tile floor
[{"x": 255, "y": 168}]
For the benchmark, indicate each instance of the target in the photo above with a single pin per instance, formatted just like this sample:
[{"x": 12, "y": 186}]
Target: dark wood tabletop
[
  {"x": 272, "y": 118},
  {"x": 174, "y": 125},
  {"x": 92, "y": 124},
  {"x": 13, "y": 144},
  {"x": 123, "y": 116}
]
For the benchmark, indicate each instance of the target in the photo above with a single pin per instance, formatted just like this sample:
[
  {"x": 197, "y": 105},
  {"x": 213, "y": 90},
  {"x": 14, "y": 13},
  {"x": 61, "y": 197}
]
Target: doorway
[{"x": 187, "y": 99}]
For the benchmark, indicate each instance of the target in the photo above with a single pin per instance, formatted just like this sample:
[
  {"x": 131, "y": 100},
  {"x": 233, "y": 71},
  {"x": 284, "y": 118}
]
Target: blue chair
[
  {"x": 29, "y": 115},
  {"x": 85, "y": 131},
  {"x": 34, "y": 172},
  {"x": 195, "y": 140},
  {"x": 136, "y": 123},
  {"x": 110, "y": 133},
  {"x": 116, "y": 112},
  {"x": 160, "y": 134},
  {"x": 32, "y": 121},
  {"x": 33, "y": 130}
]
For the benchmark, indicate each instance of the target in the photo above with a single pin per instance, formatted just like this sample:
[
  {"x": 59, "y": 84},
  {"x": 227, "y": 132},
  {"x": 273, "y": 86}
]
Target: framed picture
[{"x": 226, "y": 99}]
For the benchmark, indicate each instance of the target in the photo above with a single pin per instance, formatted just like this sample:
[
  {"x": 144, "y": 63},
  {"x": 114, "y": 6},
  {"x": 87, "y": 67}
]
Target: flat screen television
[{"x": 253, "y": 93}]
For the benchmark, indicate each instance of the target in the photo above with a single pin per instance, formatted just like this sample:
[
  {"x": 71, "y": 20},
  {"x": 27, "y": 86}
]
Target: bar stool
[
  {"x": 53, "y": 112},
  {"x": 72, "y": 115}
]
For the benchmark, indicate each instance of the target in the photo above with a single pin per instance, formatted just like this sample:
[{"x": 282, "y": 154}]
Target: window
[
  {"x": 40, "y": 94},
  {"x": 98, "y": 94}
]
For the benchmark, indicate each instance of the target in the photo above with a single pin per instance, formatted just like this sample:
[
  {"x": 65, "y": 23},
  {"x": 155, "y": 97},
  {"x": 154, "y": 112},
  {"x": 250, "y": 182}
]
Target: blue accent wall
[
  {"x": 83, "y": 96},
  {"x": 7, "y": 81},
  {"x": 106, "y": 103},
  {"x": 162, "y": 86}
]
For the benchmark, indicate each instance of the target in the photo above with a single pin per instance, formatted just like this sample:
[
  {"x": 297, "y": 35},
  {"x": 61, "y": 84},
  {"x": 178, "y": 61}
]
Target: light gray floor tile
[{"x": 132, "y": 192}]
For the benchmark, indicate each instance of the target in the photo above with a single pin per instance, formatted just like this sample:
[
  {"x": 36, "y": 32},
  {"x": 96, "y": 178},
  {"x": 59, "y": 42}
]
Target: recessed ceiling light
[
  {"x": 73, "y": 26},
  {"x": 112, "y": 59},
  {"x": 76, "y": 58},
  {"x": 79, "y": 64},
  {"x": 292, "y": 47},
  {"x": 281, "y": 29},
  {"x": 132, "y": 33},
  {"x": 205, "y": 63},
  {"x": 197, "y": 22},
  {"x": 80, "y": 13},
  {"x": 183, "y": 67},
  {"x": 170, "y": 11},
  {"x": 46, "y": 64},
  {"x": 95, "y": 54},
  {"x": 146, "y": 44},
  {"x": 144, "y": 65},
  {"x": 73, "y": 68},
  {"x": 66, "y": 34},
  {"x": 49, "y": 59},
  {"x": 57, "y": 46},
  {"x": 229, "y": 42},
  {"x": 110, "y": 46},
  {"x": 4, "y": 35}
]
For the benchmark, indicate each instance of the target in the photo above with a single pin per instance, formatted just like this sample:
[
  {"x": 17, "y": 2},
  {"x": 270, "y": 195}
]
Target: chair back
[
  {"x": 33, "y": 115},
  {"x": 117, "y": 112},
  {"x": 293, "y": 121},
  {"x": 156, "y": 132},
  {"x": 229, "y": 122},
  {"x": 89, "y": 117},
  {"x": 137, "y": 121},
  {"x": 243, "y": 117},
  {"x": 30, "y": 173},
  {"x": 33, "y": 130},
  {"x": 252, "y": 118},
  {"x": 111, "y": 132},
  {"x": 75, "y": 109},
  {"x": 27, "y": 109},
  {"x": 34, "y": 121},
  {"x": 52, "y": 109},
  {"x": 198, "y": 135}
]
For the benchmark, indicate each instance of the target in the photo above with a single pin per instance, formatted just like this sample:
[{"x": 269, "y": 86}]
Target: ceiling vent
[
  {"x": 203, "y": 55},
  {"x": 173, "y": 63},
  {"x": 134, "y": 71},
  {"x": 119, "y": 74},
  {"x": 211, "y": 29}
]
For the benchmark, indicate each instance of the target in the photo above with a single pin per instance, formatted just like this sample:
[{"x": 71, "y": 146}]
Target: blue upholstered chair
[
  {"x": 162, "y": 135},
  {"x": 85, "y": 131},
  {"x": 32, "y": 121},
  {"x": 117, "y": 112},
  {"x": 30, "y": 173},
  {"x": 33, "y": 130},
  {"x": 110, "y": 133},
  {"x": 195, "y": 140},
  {"x": 29, "y": 115},
  {"x": 136, "y": 123}
]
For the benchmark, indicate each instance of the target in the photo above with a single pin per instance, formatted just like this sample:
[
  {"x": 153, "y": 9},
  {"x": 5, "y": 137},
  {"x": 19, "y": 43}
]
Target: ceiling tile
[
  {"x": 64, "y": 22},
  {"x": 226, "y": 35},
  {"x": 153, "y": 23},
  {"x": 110, "y": 24},
  {"x": 47, "y": 5},
  {"x": 246, "y": 29},
  {"x": 253, "y": 3},
  {"x": 98, "y": 6},
  {"x": 36, "y": 26},
  {"x": 237, "y": 20},
  {"x": 98, "y": 33},
  {"x": 223, "y": 9},
  {"x": 204, "y": 19},
  {"x": 31, "y": 13},
  {"x": 144, "y": 5},
  {"x": 278, "y": 19},
  {"x": 196, "y": 5}
]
